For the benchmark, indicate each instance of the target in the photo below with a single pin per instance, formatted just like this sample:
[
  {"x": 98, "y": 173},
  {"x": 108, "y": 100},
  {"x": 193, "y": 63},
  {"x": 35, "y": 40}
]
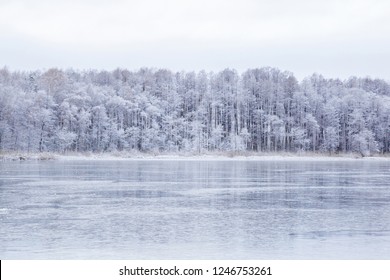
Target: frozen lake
[{"x": 162, "y": 209}]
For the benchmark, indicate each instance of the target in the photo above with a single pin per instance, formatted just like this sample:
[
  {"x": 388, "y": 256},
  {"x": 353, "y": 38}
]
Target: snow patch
[{"x": 220, "y": 157}]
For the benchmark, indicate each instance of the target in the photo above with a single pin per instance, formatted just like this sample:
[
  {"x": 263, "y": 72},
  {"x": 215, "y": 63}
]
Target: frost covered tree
[{"x": 157, "y": 110}]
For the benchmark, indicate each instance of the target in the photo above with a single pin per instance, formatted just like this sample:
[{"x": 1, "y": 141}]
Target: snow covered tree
[{"x": 157, "y": 110}]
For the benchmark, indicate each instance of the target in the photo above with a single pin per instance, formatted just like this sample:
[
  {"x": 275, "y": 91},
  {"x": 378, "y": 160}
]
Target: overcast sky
[{"x": 336, "y": 38}]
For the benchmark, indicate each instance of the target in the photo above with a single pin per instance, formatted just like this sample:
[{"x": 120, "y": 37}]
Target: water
[{"x": 195, "y": 210}]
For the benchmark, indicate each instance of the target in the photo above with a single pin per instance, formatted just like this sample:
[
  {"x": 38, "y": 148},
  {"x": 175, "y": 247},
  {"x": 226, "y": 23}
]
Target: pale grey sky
[{"x": 337, "y": 38}]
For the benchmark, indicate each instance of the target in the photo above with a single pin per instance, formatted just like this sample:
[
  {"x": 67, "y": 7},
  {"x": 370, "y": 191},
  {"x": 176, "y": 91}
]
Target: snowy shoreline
[
  {"x": 222, "y": 158},
  {"x": 186, "y": 157}
]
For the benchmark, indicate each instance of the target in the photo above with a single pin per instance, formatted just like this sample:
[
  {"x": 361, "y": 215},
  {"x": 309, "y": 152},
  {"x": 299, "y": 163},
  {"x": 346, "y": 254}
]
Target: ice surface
[{"x": 195, "y": 209}]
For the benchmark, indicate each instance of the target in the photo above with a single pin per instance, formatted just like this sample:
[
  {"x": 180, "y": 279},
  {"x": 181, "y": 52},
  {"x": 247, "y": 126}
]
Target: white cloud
[
  {"x": 118, "y": 22},
  {"x": 196, "y": 28}
]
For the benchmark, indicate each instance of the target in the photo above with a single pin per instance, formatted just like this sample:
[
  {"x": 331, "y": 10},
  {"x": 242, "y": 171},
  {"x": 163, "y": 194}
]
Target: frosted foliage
[{"x": 150, "y": 110}]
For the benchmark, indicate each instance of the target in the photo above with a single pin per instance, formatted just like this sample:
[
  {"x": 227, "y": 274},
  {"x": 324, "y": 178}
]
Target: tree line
[{"x": 157, "y": 110}]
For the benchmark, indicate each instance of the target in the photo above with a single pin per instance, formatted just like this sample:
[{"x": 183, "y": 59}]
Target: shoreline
[{"x": 116, "y": 156}]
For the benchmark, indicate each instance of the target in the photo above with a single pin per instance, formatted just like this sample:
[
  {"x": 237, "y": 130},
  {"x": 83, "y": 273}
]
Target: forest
[{"x": 158, "y": 110}]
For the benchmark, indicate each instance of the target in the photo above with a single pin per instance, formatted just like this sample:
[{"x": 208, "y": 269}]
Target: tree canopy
[{"x": 263, "y": 110}]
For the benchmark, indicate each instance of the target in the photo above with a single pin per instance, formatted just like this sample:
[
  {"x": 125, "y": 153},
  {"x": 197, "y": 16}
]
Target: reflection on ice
[{"x": 195, "y": 209}]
